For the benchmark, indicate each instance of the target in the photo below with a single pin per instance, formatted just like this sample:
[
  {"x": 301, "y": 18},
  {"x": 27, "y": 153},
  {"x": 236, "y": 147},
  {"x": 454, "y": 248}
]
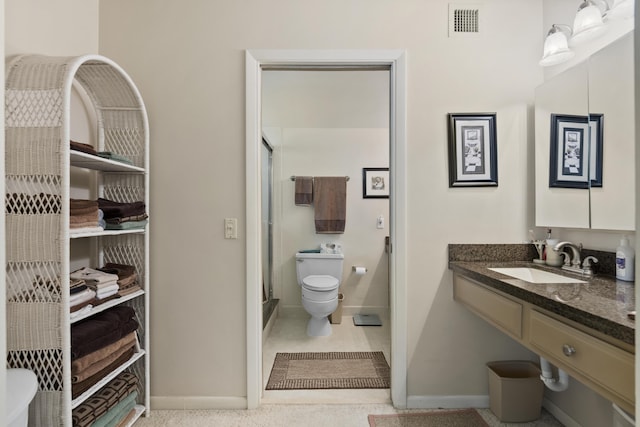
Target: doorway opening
[{"x": 256, "y": 63}]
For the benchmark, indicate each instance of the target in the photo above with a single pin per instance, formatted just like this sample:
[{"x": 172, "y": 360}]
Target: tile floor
[{"x": 289, "y": 335}]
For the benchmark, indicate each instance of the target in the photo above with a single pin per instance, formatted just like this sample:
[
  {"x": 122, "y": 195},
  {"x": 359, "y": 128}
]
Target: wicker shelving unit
[{"x": 38, "y": 161}]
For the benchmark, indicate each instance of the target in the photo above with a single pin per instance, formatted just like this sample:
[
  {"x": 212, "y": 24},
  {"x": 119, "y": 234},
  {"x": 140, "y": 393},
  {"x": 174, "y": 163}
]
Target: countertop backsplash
[{"x": 522, "y": 252}]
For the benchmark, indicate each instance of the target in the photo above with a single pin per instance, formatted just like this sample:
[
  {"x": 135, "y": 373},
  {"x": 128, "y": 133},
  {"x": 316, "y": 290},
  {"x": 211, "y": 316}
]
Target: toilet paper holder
[{"x": 357, "y": 269}]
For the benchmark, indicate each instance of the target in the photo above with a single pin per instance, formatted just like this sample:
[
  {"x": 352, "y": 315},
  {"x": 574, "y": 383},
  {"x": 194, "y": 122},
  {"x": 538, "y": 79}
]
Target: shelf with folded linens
[
  {"x": 45, "y": 171},
  {"x": 102, "y": 347},
  {"x": 107, "y": 305},
  {"x": 90, "y": 161},
  {"x": 113, "y": 404},
  {"x": 99, "y": 385},
  {"x": 98, "y": 233}
]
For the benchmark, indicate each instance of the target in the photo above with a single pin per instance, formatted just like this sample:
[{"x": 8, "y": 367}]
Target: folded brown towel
[
  {"x": 82, "y": 203},
  {"x": 78, "y": 388},
  {"x": 113, "y": 209},
  {"x": 330, "y": 202},
  {"x": 84, "y": 362},
  {"x": 102, "y": 329},
  {"x": 81, "y": 146},
  {"x": 100, "y": 364},
  {"x": 304, "y": 191}
]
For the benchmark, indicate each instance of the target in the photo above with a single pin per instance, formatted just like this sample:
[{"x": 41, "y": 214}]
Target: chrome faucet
[{"x": 575, "y": 265}]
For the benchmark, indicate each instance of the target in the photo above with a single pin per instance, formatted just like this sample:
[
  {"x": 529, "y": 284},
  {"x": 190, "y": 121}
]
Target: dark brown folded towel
[
  {"x": 85, "y": 148},
  {"x": 113, "y": 209},
  {"x": 304, "y": 191},
  {"x": 330, "y": 203},
  {"x": 102, "y": 329}
]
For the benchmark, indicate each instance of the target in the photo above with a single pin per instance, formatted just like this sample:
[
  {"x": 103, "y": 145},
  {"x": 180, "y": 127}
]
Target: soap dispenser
[
  {"x": 625, "y": 261},
  {"x": 553, "y": 258}
]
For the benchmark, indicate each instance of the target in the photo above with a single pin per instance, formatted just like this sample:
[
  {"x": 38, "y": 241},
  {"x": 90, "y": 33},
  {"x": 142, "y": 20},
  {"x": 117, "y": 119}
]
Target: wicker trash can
[
  {"x": 515, "y": 390},
  {"x": 336, "y": 317}
]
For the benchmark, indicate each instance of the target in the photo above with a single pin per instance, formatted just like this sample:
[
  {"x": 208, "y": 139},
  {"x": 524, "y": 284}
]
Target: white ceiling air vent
[{"x": 464, "y": 19}]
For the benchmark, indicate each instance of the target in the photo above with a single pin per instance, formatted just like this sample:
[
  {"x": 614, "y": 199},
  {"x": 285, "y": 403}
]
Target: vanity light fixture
[
  {"x": 588, "y": 23},
  {"x": 556, "y": 46}
]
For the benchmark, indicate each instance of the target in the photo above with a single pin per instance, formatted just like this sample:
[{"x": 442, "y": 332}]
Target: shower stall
[{"x": 268, "y": 302}]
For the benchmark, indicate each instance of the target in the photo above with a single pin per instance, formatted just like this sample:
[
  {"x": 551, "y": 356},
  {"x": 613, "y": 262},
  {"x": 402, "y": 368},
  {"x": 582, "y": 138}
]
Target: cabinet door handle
[{"x": 568, "y": 350}]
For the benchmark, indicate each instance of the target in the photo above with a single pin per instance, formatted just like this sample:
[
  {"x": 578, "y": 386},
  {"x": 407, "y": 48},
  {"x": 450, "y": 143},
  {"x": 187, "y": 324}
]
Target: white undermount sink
[{"x": 534, "y": 275}]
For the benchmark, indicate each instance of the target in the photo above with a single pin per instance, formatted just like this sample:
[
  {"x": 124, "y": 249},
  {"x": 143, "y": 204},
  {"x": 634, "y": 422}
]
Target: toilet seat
[{"x": 320, "y": 283}]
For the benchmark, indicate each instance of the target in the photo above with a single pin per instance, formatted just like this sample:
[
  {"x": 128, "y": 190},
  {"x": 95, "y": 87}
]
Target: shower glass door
[{"x": 267, "y": 231}]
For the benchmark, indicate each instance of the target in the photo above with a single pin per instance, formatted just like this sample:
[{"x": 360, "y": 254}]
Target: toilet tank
[{"x": 308, "y": 264}]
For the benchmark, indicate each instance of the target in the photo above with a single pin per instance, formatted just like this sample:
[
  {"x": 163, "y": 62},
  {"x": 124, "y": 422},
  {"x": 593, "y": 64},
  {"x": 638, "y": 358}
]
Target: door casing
[{"x": 395, "y": 60}]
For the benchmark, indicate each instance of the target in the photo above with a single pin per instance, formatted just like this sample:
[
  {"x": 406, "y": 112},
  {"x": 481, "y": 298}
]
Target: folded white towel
[
  {"x": 80, "y": 297},
  {"x": 107, "y": 292}
]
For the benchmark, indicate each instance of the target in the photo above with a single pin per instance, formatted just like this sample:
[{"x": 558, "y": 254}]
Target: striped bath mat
[{"x": 307, "y": 371}]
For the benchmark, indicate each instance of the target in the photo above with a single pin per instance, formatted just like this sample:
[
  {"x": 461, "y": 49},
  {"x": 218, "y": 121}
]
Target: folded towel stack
[
  {"x": 105, "y": 284},
  {"x": 111, "y": 406},
  {"x": 127, "y": 277},
  {"x": 100, "y": 344},
  {"x": 123, "y": 216},
  {"x": 83, "y": 215}
]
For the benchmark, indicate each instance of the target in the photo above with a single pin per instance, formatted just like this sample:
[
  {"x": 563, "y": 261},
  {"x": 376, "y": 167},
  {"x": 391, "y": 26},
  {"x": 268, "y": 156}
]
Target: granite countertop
[{"x": 602, "y": 303}]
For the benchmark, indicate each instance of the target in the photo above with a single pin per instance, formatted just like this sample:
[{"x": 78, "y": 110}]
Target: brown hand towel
[
  {"x": 330, "y": 202},
  {"x": 304, "y": 190}
]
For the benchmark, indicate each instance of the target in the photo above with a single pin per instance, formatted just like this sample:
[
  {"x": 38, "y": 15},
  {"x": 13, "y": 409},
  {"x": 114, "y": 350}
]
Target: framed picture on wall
[
  {"x": 473, "y": 155},
  {"x": 575, "y": 154},
  {"x": 375, "y": 183}
]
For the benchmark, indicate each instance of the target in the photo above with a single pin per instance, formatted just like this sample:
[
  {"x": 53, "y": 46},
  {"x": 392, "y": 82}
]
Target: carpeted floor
[
  {"x": 446, "y": 418},
  {"x": 329, "y": 370},
  {"x": 302, "y": 415}
]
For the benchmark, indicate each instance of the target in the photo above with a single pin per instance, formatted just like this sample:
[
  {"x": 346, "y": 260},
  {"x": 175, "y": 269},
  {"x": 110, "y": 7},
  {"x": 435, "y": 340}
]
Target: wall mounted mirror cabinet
[{"x": 585, "y": 143}]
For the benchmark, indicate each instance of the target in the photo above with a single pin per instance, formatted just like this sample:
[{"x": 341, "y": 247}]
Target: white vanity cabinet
[{"x": 38, "y": 167}]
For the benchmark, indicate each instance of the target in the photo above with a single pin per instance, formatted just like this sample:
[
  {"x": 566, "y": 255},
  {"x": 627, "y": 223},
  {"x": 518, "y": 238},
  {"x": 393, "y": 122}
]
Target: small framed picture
[
  {"x": 575, "y": 154},
  {"x": 473, "y": 155},
  {"x": 375, "y": 183}
]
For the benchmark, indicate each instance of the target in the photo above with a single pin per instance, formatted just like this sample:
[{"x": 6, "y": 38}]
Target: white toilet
[
  {"x": 319, "y": 276},
  {"x": 22, "y": 385}
]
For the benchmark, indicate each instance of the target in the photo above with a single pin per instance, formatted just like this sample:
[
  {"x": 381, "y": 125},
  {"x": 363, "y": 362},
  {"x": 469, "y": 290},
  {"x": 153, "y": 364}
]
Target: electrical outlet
[{"x": 230, "y": 228}]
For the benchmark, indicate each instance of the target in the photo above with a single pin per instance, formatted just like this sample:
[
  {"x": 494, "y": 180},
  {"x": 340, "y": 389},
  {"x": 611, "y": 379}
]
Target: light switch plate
[{"x": 230, "y": 228}]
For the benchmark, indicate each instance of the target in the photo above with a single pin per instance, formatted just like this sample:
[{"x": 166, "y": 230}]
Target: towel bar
[{"x": 293, "y": 178}]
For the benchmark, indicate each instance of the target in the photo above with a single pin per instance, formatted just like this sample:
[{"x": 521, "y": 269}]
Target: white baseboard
[
  {"x": 197, "y": 402},
  {"x": 448, "y": 402},
  {"x": 559, "y": 414}
]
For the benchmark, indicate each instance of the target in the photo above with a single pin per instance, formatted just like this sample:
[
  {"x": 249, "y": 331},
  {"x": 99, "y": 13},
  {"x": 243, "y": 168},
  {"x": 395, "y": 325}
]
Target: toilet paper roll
[{"x": 360, "y": 271}]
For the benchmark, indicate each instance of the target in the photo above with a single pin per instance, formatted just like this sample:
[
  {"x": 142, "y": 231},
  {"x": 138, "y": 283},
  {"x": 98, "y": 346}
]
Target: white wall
[
  {"x": 192, "y": 80},
  {"x": 59, "y": 28}
]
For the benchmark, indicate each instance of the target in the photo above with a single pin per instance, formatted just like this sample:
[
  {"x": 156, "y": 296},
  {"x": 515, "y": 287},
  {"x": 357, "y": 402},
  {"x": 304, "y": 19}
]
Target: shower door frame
[{"x": 395, "y": 60}]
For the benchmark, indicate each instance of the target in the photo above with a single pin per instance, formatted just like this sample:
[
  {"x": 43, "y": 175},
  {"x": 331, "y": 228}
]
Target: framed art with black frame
[
  {"x": 596, "y": 132},
  {"x": 473, "y": 150},
  {"x": 575, "y": 152},
  {"x": 375, "y": 183}
]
